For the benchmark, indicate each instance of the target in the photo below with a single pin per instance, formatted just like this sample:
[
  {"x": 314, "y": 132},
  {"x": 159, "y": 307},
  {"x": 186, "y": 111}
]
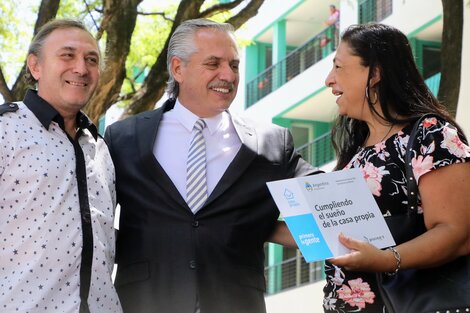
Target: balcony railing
[
  {"x": 294, "y": 272},
  {"x": 292, "y": 65},
  {"x": 374, "y": 10},
  {"x": 319, "y": 151}
]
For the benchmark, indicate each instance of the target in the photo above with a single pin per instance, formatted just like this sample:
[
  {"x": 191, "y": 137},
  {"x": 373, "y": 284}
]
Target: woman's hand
[
  {"x": 364, "y": 257},
  {"x": 445, "y": 201}
]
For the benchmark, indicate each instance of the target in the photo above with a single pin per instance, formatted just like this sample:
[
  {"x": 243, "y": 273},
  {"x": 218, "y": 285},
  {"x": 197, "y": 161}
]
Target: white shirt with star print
[{"x": 40, "y": 221}]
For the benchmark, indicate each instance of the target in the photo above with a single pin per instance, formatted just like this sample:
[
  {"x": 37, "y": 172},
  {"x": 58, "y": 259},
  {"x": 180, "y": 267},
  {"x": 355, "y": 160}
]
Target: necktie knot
[{"x": 199, "y": 125}]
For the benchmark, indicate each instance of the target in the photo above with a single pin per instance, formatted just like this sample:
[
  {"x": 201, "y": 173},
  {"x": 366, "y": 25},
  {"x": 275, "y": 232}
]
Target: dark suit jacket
[{"x": 167, "y": 256}]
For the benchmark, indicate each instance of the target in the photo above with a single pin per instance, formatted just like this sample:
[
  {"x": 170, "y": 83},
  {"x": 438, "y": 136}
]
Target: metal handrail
[
  {"x": 292, "y": 65},
  {"x": 291, "y": 273},
  {"x": 318, "y": 151}
]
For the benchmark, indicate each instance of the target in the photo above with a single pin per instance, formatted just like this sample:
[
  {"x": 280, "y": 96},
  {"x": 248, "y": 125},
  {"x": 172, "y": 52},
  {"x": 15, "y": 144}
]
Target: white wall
[
  {"x": 409, "y": 15},
  {"x": 463, "y": 109},
  {"x": 348, "y": 13},
  {"x": 305, "y": 299}
]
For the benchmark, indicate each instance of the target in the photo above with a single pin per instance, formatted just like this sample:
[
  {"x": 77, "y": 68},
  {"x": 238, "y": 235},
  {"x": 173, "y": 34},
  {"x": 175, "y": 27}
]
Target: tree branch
[
  {"x": 103, "y": 26},
  {"x": 91, "y": 15},
  {"x": 218, "y": 8},
  {"x": 244, "y": 15},
  {"x": 4, "y": 90},
  {"x": 156, "y": 13}
]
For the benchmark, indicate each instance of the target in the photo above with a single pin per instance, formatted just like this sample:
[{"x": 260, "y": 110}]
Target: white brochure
[{"x": 318, "y": 208}]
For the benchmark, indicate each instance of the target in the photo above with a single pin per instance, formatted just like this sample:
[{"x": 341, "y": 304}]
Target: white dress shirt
[{"x": 172, "y": 144}]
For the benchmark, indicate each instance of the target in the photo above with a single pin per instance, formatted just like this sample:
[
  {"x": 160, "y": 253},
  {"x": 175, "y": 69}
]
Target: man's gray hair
[
  {"x": 182, "y": 45},
  {"x": 37, "y": 43}
]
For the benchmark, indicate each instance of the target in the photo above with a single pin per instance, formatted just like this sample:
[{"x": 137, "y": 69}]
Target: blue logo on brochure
[
  {"x": 290, "y": 197},
  {"x": 308, "y": 187},
  {"x": 308, "y": 237}
]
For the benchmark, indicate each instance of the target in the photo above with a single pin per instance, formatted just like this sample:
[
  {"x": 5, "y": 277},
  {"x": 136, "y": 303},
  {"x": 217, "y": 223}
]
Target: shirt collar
[
  {"x": 46, "y": 113},
  {"x": 188, "y": 118}
]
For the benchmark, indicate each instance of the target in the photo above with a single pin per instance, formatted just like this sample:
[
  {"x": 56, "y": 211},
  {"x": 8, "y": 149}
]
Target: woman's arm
[{"x": 445, "y": 195}]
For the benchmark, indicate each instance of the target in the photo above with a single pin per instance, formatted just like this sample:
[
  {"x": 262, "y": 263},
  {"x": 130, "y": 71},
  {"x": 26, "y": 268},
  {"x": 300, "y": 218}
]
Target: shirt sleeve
[{"x": 437, "y": 144}]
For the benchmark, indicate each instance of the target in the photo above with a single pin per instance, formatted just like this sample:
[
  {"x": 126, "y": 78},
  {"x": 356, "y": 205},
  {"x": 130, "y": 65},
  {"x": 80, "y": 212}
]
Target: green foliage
[
  {"x": 17, "y": 24},
  {"x": 17, "y": 20}
]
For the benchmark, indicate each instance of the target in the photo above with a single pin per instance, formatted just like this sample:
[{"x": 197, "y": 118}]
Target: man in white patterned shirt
[{"x": 57, "y": 195}]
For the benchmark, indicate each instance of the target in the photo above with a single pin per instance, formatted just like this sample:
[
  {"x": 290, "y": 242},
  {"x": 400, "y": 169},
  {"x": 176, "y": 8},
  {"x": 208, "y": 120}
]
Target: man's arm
[{"x": 281, "y": 235}]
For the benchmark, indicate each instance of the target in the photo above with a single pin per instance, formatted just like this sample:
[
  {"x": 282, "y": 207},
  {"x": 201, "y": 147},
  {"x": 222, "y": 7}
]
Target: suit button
[
  {"x": 195, "y": 224},
  {"x": 192, "y": 264}
]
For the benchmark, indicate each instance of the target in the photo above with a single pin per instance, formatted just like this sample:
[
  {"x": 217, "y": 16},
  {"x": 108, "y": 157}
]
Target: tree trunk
[
  {"x": 451, "y": 54},
  {"x": 120, "y": 17},
  {"x": 4, "y": 90}
]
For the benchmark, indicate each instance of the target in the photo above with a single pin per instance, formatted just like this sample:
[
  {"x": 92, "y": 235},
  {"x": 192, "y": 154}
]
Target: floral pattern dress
[{"x": 437, "y": 144}]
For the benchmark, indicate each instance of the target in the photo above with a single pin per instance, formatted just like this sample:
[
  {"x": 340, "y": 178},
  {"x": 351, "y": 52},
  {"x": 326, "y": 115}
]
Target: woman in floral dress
[{"x": 380, "y": 94}]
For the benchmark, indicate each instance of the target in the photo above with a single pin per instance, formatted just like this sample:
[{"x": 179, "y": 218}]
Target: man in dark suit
[{"x": 197, "y": 246}]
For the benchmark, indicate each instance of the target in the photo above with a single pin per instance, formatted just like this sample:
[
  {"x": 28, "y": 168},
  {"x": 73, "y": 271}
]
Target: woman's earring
[{"x": 369, "y": 98}]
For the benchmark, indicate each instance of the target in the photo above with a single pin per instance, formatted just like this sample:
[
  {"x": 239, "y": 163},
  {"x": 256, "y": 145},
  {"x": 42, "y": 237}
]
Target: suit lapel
[
  {"x": 147, "y": 129},
  {"x": 247, "y": 153}
]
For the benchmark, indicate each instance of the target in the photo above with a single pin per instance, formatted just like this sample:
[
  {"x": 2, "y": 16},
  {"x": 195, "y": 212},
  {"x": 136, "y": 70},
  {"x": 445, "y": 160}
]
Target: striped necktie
[{"x": 196, "y": 186}]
